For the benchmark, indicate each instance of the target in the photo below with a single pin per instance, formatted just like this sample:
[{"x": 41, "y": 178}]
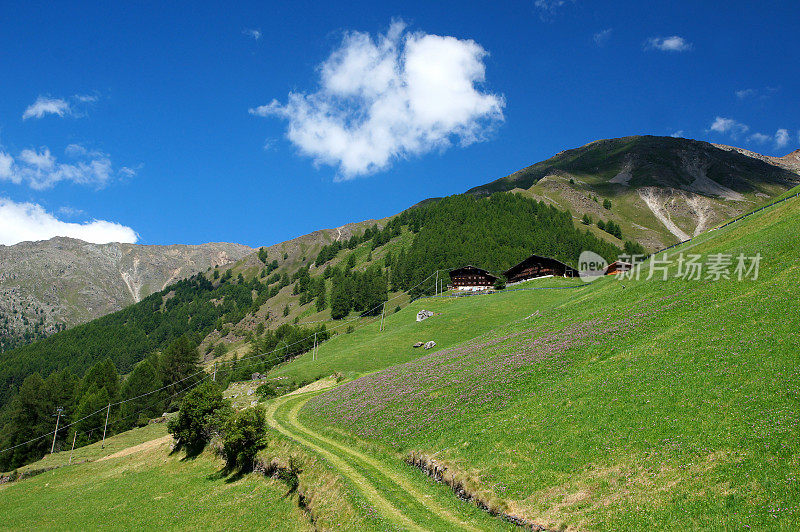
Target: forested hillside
[{"x": 353, "y": 275}]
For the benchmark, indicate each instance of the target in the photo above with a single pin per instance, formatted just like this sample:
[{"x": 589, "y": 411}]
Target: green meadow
[{"x": 628, "y": 404}]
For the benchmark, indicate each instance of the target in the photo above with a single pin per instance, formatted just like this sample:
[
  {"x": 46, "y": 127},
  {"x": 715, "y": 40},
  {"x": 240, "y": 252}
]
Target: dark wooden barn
[
  {"x": 471, "y": 278},
  {"x": 536, "y": 266}
]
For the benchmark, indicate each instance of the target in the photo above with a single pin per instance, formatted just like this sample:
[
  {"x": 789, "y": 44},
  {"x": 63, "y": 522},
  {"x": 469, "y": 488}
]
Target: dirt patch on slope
[{"x": 139, "y": 448}]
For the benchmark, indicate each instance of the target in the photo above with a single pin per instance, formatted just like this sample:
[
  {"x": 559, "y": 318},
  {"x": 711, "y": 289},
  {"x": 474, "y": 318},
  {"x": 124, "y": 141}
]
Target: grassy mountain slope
[
  {"x": 631, "y": 404},
  {"x": 662, "y": 189},
  {"x": 137, "y": 483},
  {"x": 628, "y": 404}
]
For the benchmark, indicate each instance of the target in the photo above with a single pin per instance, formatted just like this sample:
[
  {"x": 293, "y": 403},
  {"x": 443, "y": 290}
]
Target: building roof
[
  {"x": 471, "y": 270},
  {"x": 538, "y": 259}
]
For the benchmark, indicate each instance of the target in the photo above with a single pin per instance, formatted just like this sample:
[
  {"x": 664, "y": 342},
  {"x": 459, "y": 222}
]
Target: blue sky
[{"x": 260, "y": 122}]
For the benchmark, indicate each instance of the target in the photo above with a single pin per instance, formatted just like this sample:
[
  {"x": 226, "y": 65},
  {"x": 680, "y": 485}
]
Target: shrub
[
  {"x": 220, "y": 349},
  {"x": 607, "y": 204},
  {"x": 244, "y": 437},
  {"x": 586, "y": 220},
  {"x": 197, "y": 417},
  {"x": 266, "y": 391},
  {"x": 499, "y": 284}
]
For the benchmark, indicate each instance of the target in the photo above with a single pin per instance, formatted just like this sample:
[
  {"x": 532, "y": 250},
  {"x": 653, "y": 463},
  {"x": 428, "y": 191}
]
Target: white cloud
[
  {"x": 677, "y": 134},
  {"x": 86, "y": 98},
  {"x": 253, "y": 34},
  {"x": 46, "y": 106},
  {"x": 21, "y": 222},
  {"x": 781, "y": 138},
  {"x": 759, "y": 138},
  {"x": 746, "y": 93},
  {"x": 674, "y": 43},
  {"x": 40, "y": 170},
  {"x": 70, "y": 212},
  {"x": 728, "y": 126},
  {"x": 548, "y": 8},
  {"x": 392, "y": 96},
  {"x": 601, "y": 37}
]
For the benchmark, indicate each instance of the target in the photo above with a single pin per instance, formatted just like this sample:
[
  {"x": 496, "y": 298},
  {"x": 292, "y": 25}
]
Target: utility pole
[
  {"x": 59, "y": 410},
  {"x": 436, "y": 288},
  {"x": 383, "y": 313},
  {"x": 108, "y": 411},
  {"x": 75, "y": 435},
  {"x": 314, "y": 352},
  {"x": 214, "y": 377}
]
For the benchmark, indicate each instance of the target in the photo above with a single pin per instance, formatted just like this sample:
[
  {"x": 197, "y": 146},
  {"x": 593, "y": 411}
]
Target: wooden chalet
[
  {"x": 471, "y": 278},
  {"x": 536, "y": 266},
  {"x": 618, "y": 267}
]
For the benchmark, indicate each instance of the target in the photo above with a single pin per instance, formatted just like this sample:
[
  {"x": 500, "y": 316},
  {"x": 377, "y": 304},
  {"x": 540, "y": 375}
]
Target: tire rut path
[{"x": 381, "y": 486}]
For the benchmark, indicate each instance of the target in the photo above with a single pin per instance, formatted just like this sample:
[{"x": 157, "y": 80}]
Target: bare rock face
[{"x": 54, "y": 284}]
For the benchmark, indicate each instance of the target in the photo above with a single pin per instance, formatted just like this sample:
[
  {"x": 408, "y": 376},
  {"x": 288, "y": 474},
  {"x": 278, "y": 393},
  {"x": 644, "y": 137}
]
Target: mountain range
[{"x": 657, "y": 190}]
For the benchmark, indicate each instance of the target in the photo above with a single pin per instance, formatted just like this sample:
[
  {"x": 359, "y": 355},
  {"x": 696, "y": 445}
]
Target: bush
[
  {"x": 220, "y": 349},
  {"x": 266, "y": 391},
  {"x": 244, "y": 437},
  {"x": 499, "y": 284},
  {"x": 198, "y": 416},
  {"x": 607, "y": 204}
]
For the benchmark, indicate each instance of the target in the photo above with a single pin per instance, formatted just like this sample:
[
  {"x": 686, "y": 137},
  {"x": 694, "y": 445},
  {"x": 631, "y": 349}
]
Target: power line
[{"x": 286, "y": 346}]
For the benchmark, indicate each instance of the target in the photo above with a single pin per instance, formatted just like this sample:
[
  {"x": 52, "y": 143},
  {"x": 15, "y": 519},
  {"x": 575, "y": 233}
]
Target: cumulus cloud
[
  {"x": 728, "y": 126},
  {"x": 21, "y": 222},
  {"x": 781, "y": 138},
  {"x": 674, "y": 43},
  {"x": 39, "y": 169},
  {"x": 602, "y": 37},
  {"x": 759, "y": 138},
  {"x": 252, "y": 33},
  {"x": 396, "y": 95},
  {"x": 677, "y": 134},
  {"x": 45, "y": 105}
]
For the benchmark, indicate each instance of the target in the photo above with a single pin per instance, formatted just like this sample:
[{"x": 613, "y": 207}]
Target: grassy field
[
  {"x": 635, "y": 404},
  {"x": 146, "y": 486},
  {"x": 455, "y": 319},
  {"x": 622, "y": 404}
]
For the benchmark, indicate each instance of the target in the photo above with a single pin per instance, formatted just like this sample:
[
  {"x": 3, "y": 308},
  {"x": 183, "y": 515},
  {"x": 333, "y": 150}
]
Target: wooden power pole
[
  {"x": 108, "y": 411},
  {"x": 55, "y": 432}
]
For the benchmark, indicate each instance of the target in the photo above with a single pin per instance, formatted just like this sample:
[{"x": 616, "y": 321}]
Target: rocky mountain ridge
[
  {"x": 661, "y": 190},
  {"x": 54, "y": 284}
]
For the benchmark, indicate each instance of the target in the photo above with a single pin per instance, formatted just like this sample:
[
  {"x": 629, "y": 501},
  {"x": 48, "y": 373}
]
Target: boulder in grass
[
  {"x": 419, "y": 344},
  {"x": 430, "y": 344},
  {"x": 424, "y": 315}
]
